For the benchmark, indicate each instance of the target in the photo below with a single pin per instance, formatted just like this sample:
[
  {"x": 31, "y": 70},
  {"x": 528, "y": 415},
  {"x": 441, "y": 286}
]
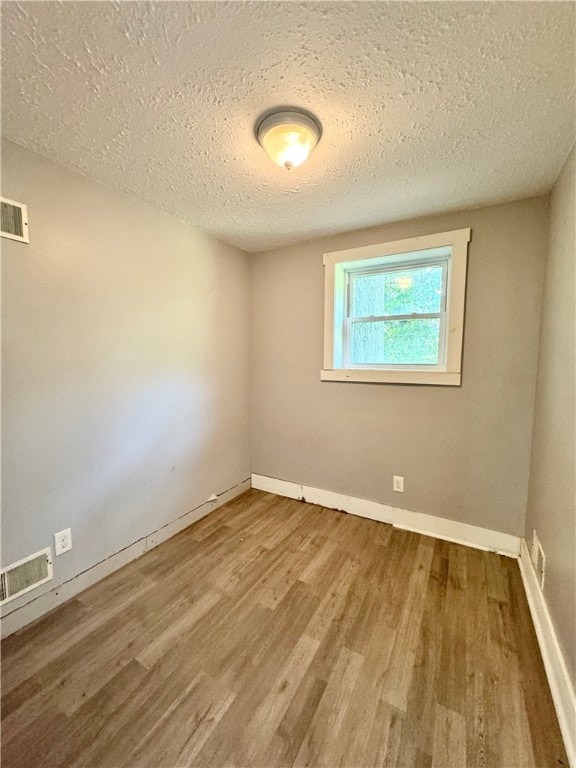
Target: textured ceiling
[{"x": 425, "y": 107}]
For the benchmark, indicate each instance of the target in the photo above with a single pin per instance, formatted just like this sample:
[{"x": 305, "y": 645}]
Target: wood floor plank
[
  {"x": 477, "y": 644},
  {"x": 402, "y": 662},
  {"x": 90, "y": 723},
  {"x": 28, "y": 746},
  {"x": 277, "y": 633},
  {"x": 153, "y": 700},
  {"x": 359, "y": 723},
  {"x": 266, "y": 720},
  {"x": 423, "y": 693},
  {"x": 384, "y": 746},
  {"x": 516, "y": 742},
  {"x": 452, "y": 681},
  {"x": 449, "y": 739},
  {"x": 44, "y": 641},
  {"x": 318, "y": 740},
  {"x": 179, "y": 734},
  {"x": 294, "y": 725},
  {"x": 189, "y": 614}
]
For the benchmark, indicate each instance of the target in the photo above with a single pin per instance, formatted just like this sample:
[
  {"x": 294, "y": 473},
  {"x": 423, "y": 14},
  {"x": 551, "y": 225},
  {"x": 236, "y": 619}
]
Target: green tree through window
[{"x": 385, "y": 307}]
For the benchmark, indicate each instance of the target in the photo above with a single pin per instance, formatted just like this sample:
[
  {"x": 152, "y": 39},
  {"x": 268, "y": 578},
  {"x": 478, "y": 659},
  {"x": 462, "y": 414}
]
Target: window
[{"x": 394, "y": 312}]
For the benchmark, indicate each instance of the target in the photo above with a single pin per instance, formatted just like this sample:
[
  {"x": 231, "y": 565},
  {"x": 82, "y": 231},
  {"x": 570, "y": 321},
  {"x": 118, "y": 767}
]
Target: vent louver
[
  {"x": 14, "y": 220},
  {"x": 27, "y": 574}
]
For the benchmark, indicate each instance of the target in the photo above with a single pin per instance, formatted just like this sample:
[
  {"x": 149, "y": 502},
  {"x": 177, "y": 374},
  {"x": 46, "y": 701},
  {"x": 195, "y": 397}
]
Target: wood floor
[{"x": 277, "y": 633}]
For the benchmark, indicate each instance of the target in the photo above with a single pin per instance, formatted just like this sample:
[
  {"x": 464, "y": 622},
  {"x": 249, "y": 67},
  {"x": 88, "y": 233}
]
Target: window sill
[{"x": 375, "y": 376}]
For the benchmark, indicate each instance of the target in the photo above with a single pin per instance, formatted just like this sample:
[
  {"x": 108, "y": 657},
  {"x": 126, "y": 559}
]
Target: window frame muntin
[{"x": 456, "y": 292}]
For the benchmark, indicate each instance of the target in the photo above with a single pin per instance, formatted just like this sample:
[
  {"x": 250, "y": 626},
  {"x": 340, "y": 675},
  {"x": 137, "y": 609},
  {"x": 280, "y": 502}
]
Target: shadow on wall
[{"x": 125, "y": 384}]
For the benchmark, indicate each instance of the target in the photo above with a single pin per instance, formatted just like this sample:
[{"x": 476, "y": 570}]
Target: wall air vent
[
  {"x": 27, "y": 574},
  {"x": 14, "y": 220},
  {"x": 538, "y": 558}
]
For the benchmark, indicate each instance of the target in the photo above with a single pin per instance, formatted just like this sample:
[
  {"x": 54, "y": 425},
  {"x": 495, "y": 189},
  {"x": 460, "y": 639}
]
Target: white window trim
[{"x": 335, "y": 265}]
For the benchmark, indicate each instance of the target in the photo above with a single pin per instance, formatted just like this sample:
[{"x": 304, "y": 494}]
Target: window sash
[{"x": 349, "y": 319}]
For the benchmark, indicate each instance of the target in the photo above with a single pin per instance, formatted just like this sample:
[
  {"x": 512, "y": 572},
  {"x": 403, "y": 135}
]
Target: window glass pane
[
  {"x": 398, "y": 292},
  {"x": 405, "y": 342}
]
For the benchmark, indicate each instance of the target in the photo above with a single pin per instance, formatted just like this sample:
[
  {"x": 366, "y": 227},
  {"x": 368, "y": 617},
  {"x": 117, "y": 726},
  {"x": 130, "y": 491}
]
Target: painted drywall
[
  {"x": 425, "y": 106},
  {"x": 464, "y": 451},
  {"x": 125, "y": 392},
  {"x": 552, "y": 496}
]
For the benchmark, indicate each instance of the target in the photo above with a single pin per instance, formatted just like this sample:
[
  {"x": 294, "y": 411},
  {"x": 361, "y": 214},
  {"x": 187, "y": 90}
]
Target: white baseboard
[
  {"x": 42, "y": 604},
  {"x": 560, "y": 684},
  {"x": 428, "y": 525}
]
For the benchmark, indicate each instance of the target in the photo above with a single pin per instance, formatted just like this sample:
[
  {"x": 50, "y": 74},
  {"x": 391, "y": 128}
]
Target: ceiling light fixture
[{"x": 288, "y": 136}]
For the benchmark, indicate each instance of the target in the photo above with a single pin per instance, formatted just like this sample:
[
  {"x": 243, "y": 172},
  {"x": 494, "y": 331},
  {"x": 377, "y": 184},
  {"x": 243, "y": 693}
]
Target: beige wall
[
  {"x": 552, "y": 497},
  {"x": 126, "y": 382},
  {"x": 125, "y": 367},
  {"x": 464, "y": 451}
]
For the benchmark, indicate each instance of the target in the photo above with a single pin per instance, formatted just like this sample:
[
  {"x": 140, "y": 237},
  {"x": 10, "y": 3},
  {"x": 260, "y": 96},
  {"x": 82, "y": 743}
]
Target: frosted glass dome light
[{"x": 288, "y": 136}]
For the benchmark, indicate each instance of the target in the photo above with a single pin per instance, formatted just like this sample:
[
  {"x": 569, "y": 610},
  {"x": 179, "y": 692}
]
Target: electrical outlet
[
  {"x": 398, "y": 484},
  {"x": 63, "y": 541}
]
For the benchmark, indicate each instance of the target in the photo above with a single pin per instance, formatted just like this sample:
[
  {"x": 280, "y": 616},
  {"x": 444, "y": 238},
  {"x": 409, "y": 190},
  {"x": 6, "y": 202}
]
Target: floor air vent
[
  {"x": 14, "y": 220},
  {"x": 27, "y": 574}
]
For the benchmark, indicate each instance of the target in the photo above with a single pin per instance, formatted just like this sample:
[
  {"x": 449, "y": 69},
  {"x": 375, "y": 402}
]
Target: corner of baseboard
[{"x": 561, "y": 686}]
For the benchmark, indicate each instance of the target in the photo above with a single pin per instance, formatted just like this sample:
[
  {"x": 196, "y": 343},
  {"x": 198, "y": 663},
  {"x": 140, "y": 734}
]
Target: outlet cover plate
[
  {"x": 63, "y": 541},
  {"x": 398, "y": 483}
]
